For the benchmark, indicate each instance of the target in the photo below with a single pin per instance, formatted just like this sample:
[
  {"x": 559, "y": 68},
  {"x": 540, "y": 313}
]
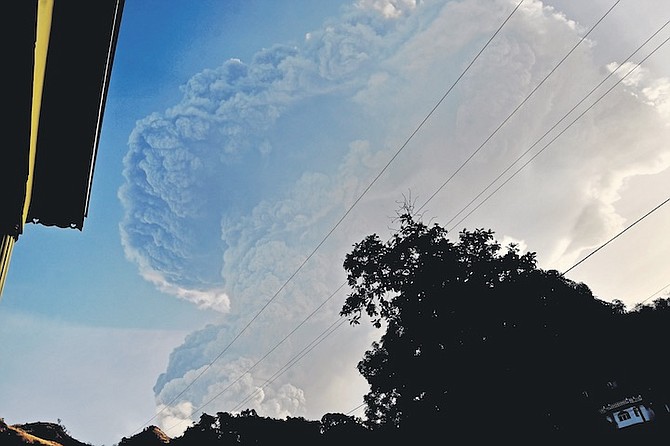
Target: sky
[{"x": 247, "y": 145}]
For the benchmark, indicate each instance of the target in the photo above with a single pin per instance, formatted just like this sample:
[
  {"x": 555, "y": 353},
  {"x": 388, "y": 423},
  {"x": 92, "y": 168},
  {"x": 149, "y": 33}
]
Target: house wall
[{"x": 629, "y": 416}]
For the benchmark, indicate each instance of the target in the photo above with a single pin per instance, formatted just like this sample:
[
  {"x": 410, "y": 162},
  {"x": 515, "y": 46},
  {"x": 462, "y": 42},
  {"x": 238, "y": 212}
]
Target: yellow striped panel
[
  {"x": 44, "y": 15},
  {"x": 6, "y": 246}
]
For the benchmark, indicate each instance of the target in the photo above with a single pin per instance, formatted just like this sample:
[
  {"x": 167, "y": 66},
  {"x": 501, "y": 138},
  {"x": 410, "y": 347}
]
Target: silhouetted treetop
[
  {"x": 470, "y": 324},
  {"x": 416, "y": 259}
]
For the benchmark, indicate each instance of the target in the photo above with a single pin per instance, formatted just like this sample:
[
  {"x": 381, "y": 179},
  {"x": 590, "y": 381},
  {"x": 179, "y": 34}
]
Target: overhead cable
[
  {"x": 327, "y": 332},
  {"x": 656, "y": 293},
  {"x": 518, "y": 107},
  {"x": 558, "y": 135},
  {"x": 294, "y": 360},
  {"x": 261, "y": 359},
  {"x": 520, "y": 157},
  {"x": 355, "y": 408},
  {"x": 617, "y": 235}
]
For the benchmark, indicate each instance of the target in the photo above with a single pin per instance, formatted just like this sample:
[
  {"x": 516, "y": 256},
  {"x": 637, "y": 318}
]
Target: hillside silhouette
[
  {"x": 476, "y": 342},
  {"x": 38, "y": 433}
]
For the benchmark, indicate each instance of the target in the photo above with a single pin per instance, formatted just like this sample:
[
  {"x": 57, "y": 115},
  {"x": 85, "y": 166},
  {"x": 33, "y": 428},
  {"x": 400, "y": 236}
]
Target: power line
[
  {"x": 654, "y": 294},
  {"x": 296, "y": 358},
  {"x": 616, "y": 236},
  {"x": 518, "y": 107},
  {"x": 331, "y": 329},
  {"x": 556, "y": 124},
  {"x": 355, "y": 409},
  {"x": 337, "y": 224},
  {"x": 260, "y": 360},
  {"x": 557, "y": 136}
]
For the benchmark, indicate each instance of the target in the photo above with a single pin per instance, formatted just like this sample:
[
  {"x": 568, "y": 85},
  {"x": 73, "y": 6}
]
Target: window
[{"x": 623, "y": 415}]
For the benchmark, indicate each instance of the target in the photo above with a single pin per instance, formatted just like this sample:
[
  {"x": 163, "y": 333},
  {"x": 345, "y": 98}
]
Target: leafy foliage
[
  {"x": 476, "y": 334},
  {"x": 249, "y": 428}
]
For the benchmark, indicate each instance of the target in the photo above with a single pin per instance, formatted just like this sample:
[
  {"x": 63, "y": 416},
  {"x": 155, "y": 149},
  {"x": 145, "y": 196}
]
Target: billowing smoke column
[{"x": 230, "y": 190}]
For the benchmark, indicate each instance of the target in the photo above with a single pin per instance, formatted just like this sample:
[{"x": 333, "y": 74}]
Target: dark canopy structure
[{"x": 59, "y": 56}]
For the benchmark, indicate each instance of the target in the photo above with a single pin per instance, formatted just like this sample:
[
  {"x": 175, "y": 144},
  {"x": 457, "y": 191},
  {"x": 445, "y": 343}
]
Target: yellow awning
[{"x": 6, "y": 246}]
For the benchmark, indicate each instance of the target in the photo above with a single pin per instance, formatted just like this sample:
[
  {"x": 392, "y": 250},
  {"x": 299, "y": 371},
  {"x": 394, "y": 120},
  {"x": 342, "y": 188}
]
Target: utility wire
[
  {"x": 557, "y": 136},
  {"x": 355, "y": 409},
  {"x": 518, "y": 106},
  {"x": 270, "y": 351},
  {"x": 654, "y": 294},
  {"x": 620, "y": 233},
  {"x": 557, "y": 123},
  {"x": 293, "y": 361},
  {"x": 337, "y": 224},
  {"x": 334, "y": 326}
]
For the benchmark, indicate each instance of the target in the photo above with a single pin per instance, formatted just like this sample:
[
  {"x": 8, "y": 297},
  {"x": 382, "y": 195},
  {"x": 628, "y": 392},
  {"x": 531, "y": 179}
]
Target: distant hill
[
  {"x": 150, "y": 436},
  {"x": 53, "y": 434},
  {"x": 50, "y": 432},
  {"x": 36, "y": 434}
]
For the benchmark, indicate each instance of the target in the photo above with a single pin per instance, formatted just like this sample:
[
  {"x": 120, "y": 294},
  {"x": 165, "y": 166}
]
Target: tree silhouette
[
  {"x": 337, "y": 429},
  {"x": 248, "y": 428},
  {"x": 477, "y": 338}
]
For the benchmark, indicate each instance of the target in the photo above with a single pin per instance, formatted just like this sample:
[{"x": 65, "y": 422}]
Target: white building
[{"x": 628, "y": 412}]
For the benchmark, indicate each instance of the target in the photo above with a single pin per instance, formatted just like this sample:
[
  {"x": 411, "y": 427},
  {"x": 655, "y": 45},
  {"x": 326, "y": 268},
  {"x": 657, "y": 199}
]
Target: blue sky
[{"x": 238, "y": 133}]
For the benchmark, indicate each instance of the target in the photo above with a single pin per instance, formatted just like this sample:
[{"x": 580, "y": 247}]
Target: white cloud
[
  {"x": 389, "y": 9},
  {"x": 521, "y": 245},
  {"x": 175, "y": 419},
  {"x": 325, "y": 379},
  {"x": 655, "y": 91}
]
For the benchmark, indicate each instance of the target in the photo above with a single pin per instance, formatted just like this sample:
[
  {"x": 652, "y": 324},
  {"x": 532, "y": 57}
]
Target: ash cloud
[{"x": 225, "y": 199}]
